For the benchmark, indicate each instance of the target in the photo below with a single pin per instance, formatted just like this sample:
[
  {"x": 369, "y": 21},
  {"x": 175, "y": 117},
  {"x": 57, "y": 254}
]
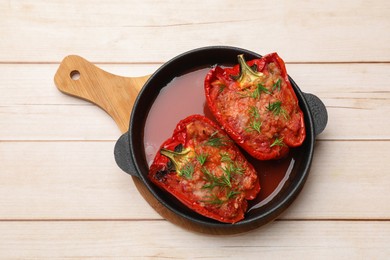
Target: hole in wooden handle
[{"x": 75, "y": 74}]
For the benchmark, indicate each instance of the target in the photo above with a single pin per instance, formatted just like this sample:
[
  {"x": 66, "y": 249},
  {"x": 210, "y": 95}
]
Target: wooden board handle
[{"x": 114, "y": 94}]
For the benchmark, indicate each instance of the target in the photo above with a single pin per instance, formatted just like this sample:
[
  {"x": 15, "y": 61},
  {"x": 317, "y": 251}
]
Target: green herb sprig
[
  {"x": 188, "y": 170},
  {"x": 231, "y": 194},
  {"x": 277, "y": 142},
  {"x": 256, "y": 93},
  {"x": 202, "y": 158},
  {"x": 214, "y": 200},
  {"x": 216, "y": 141},
  {"x": 277, "y": 109},
  {"x": 254, "y": 123},
  {"x": 233, "y": 168},
  {"x": 225, "y": 157},
  {"x": 214, "y": 181},
  {"x": 260, "y": 89},
  {"x": 277, "y": 85}
]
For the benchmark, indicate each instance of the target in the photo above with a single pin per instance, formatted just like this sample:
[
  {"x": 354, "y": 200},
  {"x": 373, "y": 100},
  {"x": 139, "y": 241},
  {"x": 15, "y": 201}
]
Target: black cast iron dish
[{"x": 129, "y": 149}]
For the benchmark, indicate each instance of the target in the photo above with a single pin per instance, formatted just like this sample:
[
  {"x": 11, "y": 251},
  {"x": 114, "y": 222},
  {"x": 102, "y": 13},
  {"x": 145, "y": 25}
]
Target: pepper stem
[
  {"x": 247, "y": 74},
  {"x": 179, "y": 159}
]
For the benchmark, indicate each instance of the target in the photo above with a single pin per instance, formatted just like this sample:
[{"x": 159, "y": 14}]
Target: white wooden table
[{"x": 62, "y": 195}]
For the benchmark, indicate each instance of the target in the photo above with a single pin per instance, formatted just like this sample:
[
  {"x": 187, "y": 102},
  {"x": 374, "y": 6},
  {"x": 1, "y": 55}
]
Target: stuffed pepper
[
  {"x": 256, "y": 105},
  {"x": 204, "y": 169}
]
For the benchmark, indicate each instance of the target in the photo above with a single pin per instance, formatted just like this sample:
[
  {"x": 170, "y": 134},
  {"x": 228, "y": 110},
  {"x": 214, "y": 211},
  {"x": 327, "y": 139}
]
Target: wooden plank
[
  {"x": 299, "y": 31},
  {"x": 72, "y": 180},
  {"x": 56, "y": 122},
  {"x": 348, "y": 180},
  {"x": 80, "y": 180},
  {"x": 62, "y": 195},
  {"x": 33, "y": 107},
  {"x": 356, "y": 95},
  {"x": 128, "y": 239},
  {"x": 33, "y": 84}
]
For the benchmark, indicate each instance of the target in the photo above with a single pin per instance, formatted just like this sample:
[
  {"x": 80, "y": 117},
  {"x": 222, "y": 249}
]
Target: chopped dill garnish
[
  {"x": 277, "y": 109},
  {"x": 214, "y": 200},
  {"x": 232, "y": 166},
  {"x": 214, "y": 181},
  {"x": 187, "y": 171},
  {"x": 229, "y": 170},
  {"x": 215, "y": 141},
  {"x": 277, "y": 85},
  {"x": 277, "y": 142},
  {"x": 202, "y": 158},
  {"x": 210, "y": 178},
  {"x": 232, "y": 193},
  {"x": 225, "y": 178},
  {"x": 259, "y": 89},
  {"x": 221, "y": 88},
  {"x": 239, "y": 169},
  {"x": 256, "y": 93},
  {"x": 254, "y": 112},
  {"x": 274, "y": 107},
  {"x": 225, "y": 157},
  {"x": 254, "y": 123},
  {"x": 223, "y": 182}
]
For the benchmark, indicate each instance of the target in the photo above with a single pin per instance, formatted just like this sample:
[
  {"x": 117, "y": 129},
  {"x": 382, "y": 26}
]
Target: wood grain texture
[
  {"x": 150, "y": 31},
  {"x": 357, "y": 96},
  {"x": 63, "y": 197},
  {"x": 74, "y": 180},
  {"x": 159, "y": 239},
  {"x": 114, "y": 94}
]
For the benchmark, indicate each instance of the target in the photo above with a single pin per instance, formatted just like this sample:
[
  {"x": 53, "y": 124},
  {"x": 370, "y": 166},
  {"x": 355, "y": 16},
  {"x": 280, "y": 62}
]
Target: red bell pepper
[
  {"x": 255, "y": 104},
  {"x": 205, "y": 170}
]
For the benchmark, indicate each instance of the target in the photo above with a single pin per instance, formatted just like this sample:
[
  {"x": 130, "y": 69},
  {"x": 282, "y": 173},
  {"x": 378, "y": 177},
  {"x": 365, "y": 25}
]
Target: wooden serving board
[{"x": 116, "y": 95}]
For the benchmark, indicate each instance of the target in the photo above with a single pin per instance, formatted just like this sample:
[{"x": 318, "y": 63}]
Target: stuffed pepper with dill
[
  {"x": 255, "y": 104},
  {"x": 203, "y": 168}
]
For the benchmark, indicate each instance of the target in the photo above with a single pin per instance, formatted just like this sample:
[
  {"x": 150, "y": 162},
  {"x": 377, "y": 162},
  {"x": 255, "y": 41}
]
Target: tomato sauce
[{"x": 185, "y": 96}]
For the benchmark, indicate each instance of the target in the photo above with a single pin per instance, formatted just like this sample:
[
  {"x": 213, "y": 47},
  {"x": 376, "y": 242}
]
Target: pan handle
[
  {"x": 318, "y": 112},
  {"x": 115, "y": 94},
  {"x": 123, "y": 156}
]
